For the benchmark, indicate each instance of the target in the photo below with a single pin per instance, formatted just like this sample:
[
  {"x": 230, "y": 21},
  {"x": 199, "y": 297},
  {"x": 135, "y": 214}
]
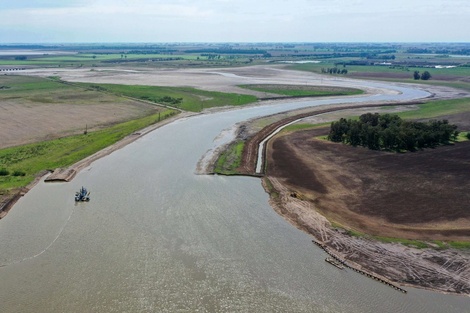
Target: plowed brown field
[{"x": 419, "y": 195}]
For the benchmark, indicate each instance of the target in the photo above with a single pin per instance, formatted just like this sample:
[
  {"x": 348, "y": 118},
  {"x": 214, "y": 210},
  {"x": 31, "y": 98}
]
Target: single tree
[
  {"x": 416, "y": 75},
  {"x": 426, "y": 75}
]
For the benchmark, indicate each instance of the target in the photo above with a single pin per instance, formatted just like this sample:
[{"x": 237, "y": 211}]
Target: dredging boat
[{"x": 82, "y": 195}]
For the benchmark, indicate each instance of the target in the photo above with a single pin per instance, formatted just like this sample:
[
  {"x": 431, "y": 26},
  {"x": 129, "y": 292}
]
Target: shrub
[
  {"x": 4, "y": 172},
  {"x": 19, "y": 173}
]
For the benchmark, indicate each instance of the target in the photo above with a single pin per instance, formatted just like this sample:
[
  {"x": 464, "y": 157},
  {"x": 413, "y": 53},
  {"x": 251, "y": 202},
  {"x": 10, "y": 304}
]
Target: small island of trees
[{"x": 390, "y": 132}]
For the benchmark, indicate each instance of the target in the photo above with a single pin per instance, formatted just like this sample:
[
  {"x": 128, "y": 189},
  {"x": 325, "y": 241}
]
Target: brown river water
[{"x": 156, "y": 237}]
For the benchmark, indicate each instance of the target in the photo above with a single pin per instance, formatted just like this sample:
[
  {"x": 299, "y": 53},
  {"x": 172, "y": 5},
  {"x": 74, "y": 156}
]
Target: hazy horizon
[{"x": 224, "y": 21}]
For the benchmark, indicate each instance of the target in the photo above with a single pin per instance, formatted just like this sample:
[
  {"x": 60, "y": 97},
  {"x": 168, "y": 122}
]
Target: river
[{"x": 156, "y": 237}]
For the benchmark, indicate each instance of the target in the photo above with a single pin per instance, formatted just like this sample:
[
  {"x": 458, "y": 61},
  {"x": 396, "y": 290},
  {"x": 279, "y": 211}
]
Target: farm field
[
  {"x": 36, "y": 109},
  {"x": 379, "y": 193}
]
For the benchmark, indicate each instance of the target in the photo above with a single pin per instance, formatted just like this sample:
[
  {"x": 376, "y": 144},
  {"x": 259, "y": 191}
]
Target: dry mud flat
[{"x": 414, "y": 195}]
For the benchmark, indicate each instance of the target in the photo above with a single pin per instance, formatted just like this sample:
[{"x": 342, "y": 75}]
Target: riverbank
[
  {"x": 440, "y": 269},
  {"x": 444, "y": 271},
  {"x": 67, "y": 174}
]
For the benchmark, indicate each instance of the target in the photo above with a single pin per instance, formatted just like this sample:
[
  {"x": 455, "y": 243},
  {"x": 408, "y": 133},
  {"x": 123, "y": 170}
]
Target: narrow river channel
[{"x": 156, "y": 237}]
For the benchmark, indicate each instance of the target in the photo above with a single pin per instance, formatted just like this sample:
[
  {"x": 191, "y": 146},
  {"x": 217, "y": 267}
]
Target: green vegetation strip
[
  {"x": 420, "y": 244},
  {"x": 303, "y": 90},
  {"x": 229, "y": 160},
  {"x": 438, "y": 108},
  {"x": 23, "y": 86},
  {"x": 303, "y": 126},
  {"x": 21, "y": 164},
  {"x": 184, "y": 98}
]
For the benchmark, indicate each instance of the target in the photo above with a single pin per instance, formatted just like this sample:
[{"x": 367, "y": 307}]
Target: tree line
[
  {"x": 334, "y": 70},
  {"x": 390, "y": 132}
]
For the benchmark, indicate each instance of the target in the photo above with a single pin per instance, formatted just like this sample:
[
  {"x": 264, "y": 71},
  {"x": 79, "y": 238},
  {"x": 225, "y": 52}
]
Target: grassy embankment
[{"x": 28, "y": 160}]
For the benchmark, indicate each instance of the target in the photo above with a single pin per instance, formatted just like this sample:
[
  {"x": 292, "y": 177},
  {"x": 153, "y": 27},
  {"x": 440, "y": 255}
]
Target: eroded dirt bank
[{"x": 441, "y": 270}]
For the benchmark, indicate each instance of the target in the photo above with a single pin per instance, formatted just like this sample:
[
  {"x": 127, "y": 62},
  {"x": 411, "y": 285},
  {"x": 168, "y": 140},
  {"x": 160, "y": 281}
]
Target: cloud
[
  {"x": 240, "y": 20},
  {"x": 131, "y": 9},
  {"x": 19, "y": 5}
]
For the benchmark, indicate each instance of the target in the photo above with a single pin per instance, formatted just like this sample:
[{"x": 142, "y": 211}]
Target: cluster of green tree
[
  {"x": 227, "y": 51},
  {"x": 98, "y": 88},
  {"x": 425, "y": 76},
  {"x": 334, "y": 70},
  {"x": 462, "y": 51},
  {"x": 381, "y": 57},
  {"x": 163, "y": 51},
  {"x": 349, "y": 46},
  {"x": 418, "y": 50},
  {"x": 125, "y": 60},
  {"x": 211, "y": 56},
  {"x": 21, "y": 58},
  {"x": 164, "y": 99},
  {"x": 390, "y": 132}
]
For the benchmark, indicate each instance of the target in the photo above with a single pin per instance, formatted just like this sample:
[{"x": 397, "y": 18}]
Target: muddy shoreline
[{"x": 406, "y": 266}]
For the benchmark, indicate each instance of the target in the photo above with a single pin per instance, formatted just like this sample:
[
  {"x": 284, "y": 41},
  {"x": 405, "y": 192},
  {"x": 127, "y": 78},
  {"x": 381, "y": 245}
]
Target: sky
[{"x": 153, "y": 21}]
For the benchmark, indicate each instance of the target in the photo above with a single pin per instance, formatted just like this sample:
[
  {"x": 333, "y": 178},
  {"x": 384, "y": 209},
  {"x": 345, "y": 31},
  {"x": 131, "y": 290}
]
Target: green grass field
[
  {"x": 34, "y": 158},
  {"x": 36, "y": 90},
  {"x": 419, "y": 244},
  {"x": 21, "y": 86},
  {"x": 87, "y": 59},
  {"x": 438, "y": 108},
  {"x": 193, "y": 100},
  {"x": 303, "y": 90}
]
